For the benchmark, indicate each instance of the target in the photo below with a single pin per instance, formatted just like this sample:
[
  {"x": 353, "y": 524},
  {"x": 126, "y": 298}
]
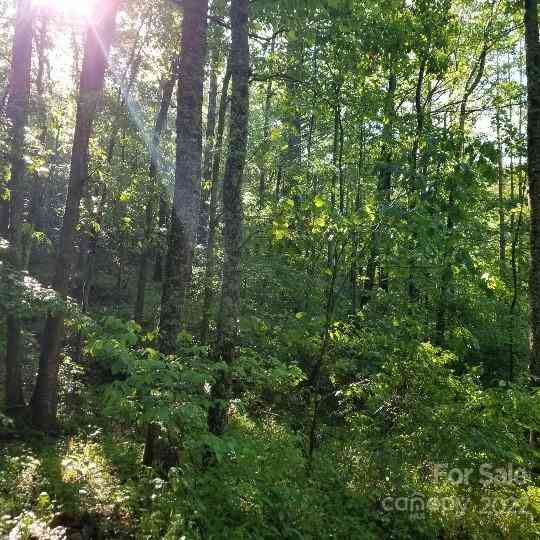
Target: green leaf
[{"x": 319, "y": 201}]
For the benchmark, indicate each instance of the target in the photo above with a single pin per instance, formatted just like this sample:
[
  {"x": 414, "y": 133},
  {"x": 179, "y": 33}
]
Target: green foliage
[
  {"x": 24, "y": 296},
  {"x": 263, "y": 490},
  {"x": 383, "y": 332}
]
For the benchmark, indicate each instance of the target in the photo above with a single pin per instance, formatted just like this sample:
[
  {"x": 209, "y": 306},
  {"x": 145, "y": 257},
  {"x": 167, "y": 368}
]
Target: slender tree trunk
[
  {"x": 164, "y": 216},
  {"x": 266, "y": 134},
  {"x": 420, "y": 119},
  {"x": 154, "y": 189},
  {"x": 291, "y": 158},
  {"x": 213, "y": 220},
  {"x": 311, "y": 177},
  {"x": 316, "y": 377},
  {"x": 17, "y": 113},
  {"x": 415, "y": 188},
  {"x": 515, "y": 227},
  {"x": 337, "y": 173},
  {"x": 163, "y": 220},
  {"x": 98, "y": 41},
  {"x": 208, "y": 155},
  {"x": 186, "y": 205},
  {"x": 356, "y": 233},
  {"x": 500, "y": 186},
  {"x": 229, "y": 311},
  {"x": 37, "y": 199},
  {"x": 532, "y": 48},
  {"x": 341, "y": 176}
]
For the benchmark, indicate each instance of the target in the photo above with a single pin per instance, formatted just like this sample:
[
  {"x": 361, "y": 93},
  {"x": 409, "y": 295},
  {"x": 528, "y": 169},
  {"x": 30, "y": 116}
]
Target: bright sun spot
[{"x": 79, "y": 8}]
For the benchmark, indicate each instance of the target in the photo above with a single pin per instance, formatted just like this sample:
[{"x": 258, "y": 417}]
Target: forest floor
[
  {"x": 82, "y": 484},
  {"x": 88, "y": 483},
  {"x": 75, "y": 486}
]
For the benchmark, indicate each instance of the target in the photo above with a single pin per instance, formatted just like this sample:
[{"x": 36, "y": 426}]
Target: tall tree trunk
[
  {"x": 339, "y": 152},
  {"x": 37, "y": 199},
  {"x": 98, "y": 41},
  {"x": 214, "y": 193},
  {"x": 337, "y": 170},
  {"x": 229, "y": 310},
  {"x": 532, "y": 48},
  {"x": 355, "y": 234},
  {"x": 266, "y": 133},
  {"x": 153, "y": 190},
  {"x": 515, "y": 226},
  {"x": 186, "y": 204},
  {"x": 415, "y": 189},
  {"x": 17, "y": 113},
  {"x": 500, "y": 186},
  {"x": 208, "y": 155}
]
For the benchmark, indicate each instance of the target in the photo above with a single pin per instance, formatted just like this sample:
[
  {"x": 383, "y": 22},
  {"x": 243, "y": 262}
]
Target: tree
[
  {"x": 99, "y": 37},
  {"x": 17, "y": 113},
  {"x": 227, "y": 340},
  {"x": 208, "y": 152},
  {"x": 186, "y": 203},
  {"x": 209, "y": 271},
  {"x": 532, "y": 47},
  {"x": 153, "y": 190}
]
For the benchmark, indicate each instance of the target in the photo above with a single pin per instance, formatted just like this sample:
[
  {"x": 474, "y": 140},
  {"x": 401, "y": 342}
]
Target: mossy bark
[
  {"x": 186, "y": 203},
  {"x": 228, "y": 327}
]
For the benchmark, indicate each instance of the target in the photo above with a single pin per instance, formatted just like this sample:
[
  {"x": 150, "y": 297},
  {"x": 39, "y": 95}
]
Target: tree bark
[
  {"x": 266, "y": 133},
  {"x": 213, "y": 221},
  {"x": 229, "y": 312},
  {"x": 532, "y": 48},
  {"x": 17, "y": 113},
  {"x": 98, "y": 41},
  {"x": 186, "y": 204},
  {"x": 500, "y": 188},
  {"x": 208, "y": 155}
]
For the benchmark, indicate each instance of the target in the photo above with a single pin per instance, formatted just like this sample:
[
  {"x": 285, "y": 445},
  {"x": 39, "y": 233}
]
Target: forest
[{"x": 269, "y": 269}]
